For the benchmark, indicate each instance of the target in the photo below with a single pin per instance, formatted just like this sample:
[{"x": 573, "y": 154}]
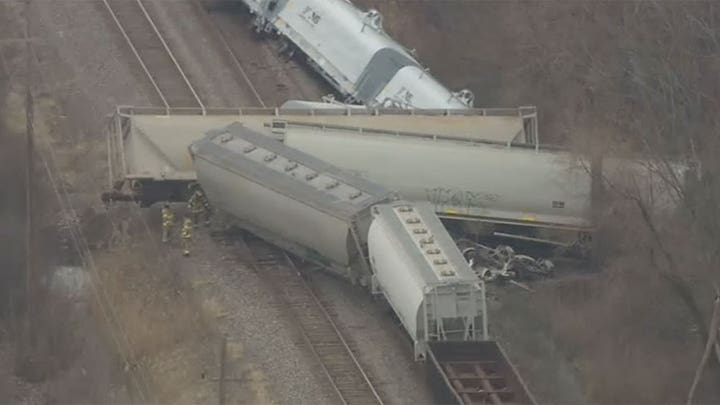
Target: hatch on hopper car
[
  {"x": 424, "y": 277},
  {"x": 289, "y": 198}
]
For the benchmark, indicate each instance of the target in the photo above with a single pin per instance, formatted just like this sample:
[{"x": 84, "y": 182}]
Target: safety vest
[
  {"x": 167, "y": 217},
  {"x": 186, "y": 232}
]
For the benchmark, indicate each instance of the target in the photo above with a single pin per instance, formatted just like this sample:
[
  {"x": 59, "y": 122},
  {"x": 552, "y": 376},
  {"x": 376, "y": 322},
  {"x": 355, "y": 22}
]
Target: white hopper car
[
  {"x": 423, "y": 275},
  {"x": 350, "y": 49},
  {"x": 463, "y": 179},
  {"x": 478, "y": 180},
  {"x": 327, "y": 216},
  {"x": 147, "y": 150}
]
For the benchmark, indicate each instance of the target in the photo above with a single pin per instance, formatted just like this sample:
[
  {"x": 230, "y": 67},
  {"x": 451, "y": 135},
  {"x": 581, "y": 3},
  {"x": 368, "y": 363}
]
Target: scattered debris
[
  {"x": 503, "y": 264},
  {"x": 521, "y": 285}
]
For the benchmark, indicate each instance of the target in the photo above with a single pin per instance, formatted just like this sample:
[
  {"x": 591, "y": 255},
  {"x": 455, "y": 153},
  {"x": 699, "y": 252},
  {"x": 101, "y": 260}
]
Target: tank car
[
  {"x": 350, "y": 49},
  {"x": 289, "y": 198}
]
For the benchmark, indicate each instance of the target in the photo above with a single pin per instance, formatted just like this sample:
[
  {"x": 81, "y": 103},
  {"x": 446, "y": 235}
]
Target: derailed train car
[
  {"x": 484, "y": 181},
  {"x": 463, "y": 179},
  {"x": 350, "y": 49},
  {"x": 289, "y": 198},
  {"x": 347, "y": 225},
  {"x": 147, "y": 149},
  {"x": 423, "y": 275}
]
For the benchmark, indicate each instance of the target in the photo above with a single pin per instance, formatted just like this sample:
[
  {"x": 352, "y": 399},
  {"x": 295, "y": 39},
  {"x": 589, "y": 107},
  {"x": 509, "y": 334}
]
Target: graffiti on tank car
[
  {"x": 403, "y": 97},
  {"x": 310, "y": 16},
  {"x": 443, "y": 196}
]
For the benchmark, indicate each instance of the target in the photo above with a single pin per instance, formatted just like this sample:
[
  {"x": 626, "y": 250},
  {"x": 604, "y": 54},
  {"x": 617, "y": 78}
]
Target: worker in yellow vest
[
  {"x": 168, "y": 221},
  {"x": 186, "y": 236}
]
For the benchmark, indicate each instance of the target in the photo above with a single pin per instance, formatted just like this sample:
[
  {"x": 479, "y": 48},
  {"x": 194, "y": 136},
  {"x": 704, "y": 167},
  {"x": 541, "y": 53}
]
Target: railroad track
[
  {"x": 161, "y": 68},
  {"x": 225, "y": 44},
  {"x": 351, "y": 383},
  {"x": 275, "y": 64}
]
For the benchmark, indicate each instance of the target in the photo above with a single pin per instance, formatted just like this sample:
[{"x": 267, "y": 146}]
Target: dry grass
[
  {"x": 12, "y": 203},
  {"x": 629, "y": 335},
  {"x": 168, "y": 339},
  {"x": 633, "y": 334}
]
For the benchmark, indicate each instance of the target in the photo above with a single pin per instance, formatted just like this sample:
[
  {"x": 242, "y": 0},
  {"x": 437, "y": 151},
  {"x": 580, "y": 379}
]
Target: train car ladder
[{"x": 362, "y": 250}]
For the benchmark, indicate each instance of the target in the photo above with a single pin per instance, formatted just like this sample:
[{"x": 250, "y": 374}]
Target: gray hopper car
[
  {"x": 424, "y": 277},
  {"x": 289, "y": 198},
  {"x": 148, "y": 157},
  {"x": 467, "y": 180},
  {"x": 350, "y": 50},
  {"x": 486, "y": 182}
]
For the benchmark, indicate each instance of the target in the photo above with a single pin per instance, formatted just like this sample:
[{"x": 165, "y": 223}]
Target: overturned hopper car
[
  {"x": 291, "y": 199},
  {"x": 350, "y": 49}
]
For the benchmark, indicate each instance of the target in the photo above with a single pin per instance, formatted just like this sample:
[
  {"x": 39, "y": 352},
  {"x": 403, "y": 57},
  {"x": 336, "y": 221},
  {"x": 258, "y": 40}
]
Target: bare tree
[{"x": 642, "y": 79}]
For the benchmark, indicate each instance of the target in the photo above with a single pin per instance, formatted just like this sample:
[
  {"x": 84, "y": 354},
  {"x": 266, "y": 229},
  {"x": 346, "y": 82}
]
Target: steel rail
[
  {"x": 233, "y": 57},
  {"x": 137, "y": 55},
  {"x": 144, "y": 65},
  {"x": 334, "y": 326},
  {"x": 277, "y": 257},
  {"x": 172, "y": 56}
]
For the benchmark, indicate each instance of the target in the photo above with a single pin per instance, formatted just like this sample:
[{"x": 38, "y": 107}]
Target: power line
[{"x": 78, "y": 239}]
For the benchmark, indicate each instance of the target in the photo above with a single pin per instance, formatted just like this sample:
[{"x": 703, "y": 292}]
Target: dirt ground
[{"x": 151, "y": 331}]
